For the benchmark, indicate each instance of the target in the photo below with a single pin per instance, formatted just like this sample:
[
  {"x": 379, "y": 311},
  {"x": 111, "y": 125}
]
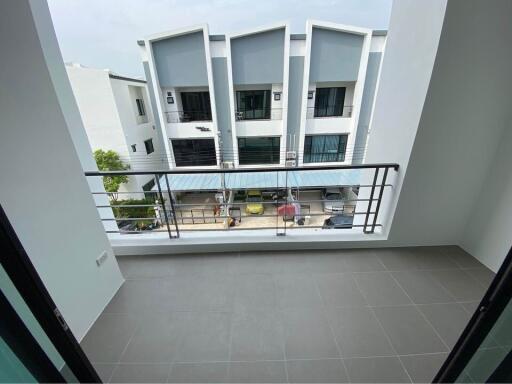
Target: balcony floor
[{"x": 385, "y": 315}]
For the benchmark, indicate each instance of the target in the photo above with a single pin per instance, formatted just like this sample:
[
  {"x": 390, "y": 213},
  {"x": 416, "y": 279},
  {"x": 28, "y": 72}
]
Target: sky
[{"x": 104, "y": 33}]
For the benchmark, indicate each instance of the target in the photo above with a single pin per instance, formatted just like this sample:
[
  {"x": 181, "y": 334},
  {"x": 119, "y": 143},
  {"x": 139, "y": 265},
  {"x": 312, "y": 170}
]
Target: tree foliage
[{"x": 110, "y": 161}]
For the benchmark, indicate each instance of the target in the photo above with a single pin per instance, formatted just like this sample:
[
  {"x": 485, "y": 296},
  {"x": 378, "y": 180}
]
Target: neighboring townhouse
[
  {"x": 264, "y": 97},
  {"x": 117, "y": 116}
]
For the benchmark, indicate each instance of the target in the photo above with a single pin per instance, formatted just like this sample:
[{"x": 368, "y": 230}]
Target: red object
[{"x": 286, "y": 210}]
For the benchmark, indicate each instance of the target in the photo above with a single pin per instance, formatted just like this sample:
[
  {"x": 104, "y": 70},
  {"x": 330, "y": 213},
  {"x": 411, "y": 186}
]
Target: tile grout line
[
  {"x": 448, "y": 349},
  {"x": 385, "y": 334},
  {"x": 280, "y": 314},
  {"x": 330, "y": 327}
]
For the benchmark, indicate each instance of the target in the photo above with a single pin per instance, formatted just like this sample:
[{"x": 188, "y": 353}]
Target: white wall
[
  {"x": 488, "y": 231},
  {"x": 37, "y": 153},
  {"x": 455, "y": 133}
]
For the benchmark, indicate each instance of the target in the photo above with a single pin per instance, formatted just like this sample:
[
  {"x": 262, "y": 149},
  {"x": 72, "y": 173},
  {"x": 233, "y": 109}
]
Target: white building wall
[{"x": 37, "y": 152}]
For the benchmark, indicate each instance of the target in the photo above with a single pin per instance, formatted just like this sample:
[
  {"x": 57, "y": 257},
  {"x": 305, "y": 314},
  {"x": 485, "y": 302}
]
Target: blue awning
[{"x": 263, "y": 180}]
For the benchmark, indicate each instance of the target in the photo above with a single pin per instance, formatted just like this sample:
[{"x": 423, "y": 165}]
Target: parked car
[
  {"x": 254, "y": 202},
  {"x": 332, "y": 200},
  {"x": 338, "y": 222}
]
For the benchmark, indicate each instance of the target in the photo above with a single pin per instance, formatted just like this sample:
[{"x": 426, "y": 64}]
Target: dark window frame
[
  {"x": 141, "y": 109},
  {"x": 194, "y": 152},
  {"x": 325, "y": 156},
  {"x": 254, "y": 104},
  {"x": 134, "y": 147},
  {"x": 196, "y": 106},
  {"x": 254, "y": 154},
  {"x": 330, "y": 101},
  {"x": 150, "y": 148}
]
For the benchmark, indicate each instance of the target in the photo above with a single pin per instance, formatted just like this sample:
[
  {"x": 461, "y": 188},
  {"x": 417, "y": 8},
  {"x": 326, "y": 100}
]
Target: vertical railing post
[
  {"x": 173, "y": 208},
  {"x": 381, "y": 192},
  {"x": 370, "y": 202},
  {"x": 162, "y": 202}
]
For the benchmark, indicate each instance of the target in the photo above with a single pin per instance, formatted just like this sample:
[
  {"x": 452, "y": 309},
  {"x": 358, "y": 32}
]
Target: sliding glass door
[
  {"x": 329, "y": 102},
  {"x": 253, "y": 105}
]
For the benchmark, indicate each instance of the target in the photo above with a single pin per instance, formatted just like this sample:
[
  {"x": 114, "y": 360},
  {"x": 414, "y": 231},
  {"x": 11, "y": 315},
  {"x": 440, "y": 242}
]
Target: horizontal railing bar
[
  {"x": 255, "y": 216},
  {"x": 395, "y": 166},
  {"x": 242, "y": 229},
  {"x": 129, "y": 206},
  {"x": 303, "y": 189}
]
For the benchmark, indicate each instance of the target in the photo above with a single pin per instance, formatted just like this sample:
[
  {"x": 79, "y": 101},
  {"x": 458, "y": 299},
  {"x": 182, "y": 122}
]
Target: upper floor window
[
  {"x": 190, "y": 152},
  {"x": 149, "y": 146},
  {"x": 329, "y": 101},
  {"x": 251, "y": 105},
  {"x": 196, "y": 106},
  {"x": 258, "y": 150},
  {"x": 325, "y": 148},
  {"x": 140, "y": 107},
  {"x": 134, "y": 147}
]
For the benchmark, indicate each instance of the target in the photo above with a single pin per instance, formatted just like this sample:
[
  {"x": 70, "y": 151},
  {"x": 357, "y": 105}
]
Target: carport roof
[{"x": 263, "y": 180}]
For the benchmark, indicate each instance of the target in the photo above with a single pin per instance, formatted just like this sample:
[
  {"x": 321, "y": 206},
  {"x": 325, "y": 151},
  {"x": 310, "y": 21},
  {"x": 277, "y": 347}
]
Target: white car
[{"x": 332, "y": 200}]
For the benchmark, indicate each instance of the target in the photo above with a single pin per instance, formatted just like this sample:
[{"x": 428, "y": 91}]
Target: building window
[
  {"x": 194, "y": 152},
  {"x": 329, "y": 101},
  {"x": 134, "y": 147},
  {"x": 196, "y": 106},
  {"x": 325, "y": 148},
  {"x": 148, "y": 194},
  {"x": 251, "y": 105},
  {"x": 258, "y": 150},
  {"x": 140, "y": 107},
  {"x": 149, "y": 146}
]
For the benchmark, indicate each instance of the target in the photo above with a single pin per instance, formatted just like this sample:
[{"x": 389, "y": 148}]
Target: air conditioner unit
[
  {"x": 291, "y": 155},
  {"x": 227, "y": 165},
  {"x": 290, "y": 163}
]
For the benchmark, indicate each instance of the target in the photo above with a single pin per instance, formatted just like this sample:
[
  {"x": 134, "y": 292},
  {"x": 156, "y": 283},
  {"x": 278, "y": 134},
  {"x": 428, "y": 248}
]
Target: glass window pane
[
  {"x": 194, "y": 152},
  {"x": 258, "y": 150}
]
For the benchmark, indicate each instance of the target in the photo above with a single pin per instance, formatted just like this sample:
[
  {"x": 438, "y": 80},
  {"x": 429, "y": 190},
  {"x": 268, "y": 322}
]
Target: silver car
[{"x": 332, "y": 200}]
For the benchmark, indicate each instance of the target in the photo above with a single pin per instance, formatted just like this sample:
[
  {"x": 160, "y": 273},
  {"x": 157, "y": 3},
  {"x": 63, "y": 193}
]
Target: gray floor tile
[
  {"x": 316, "y": 371},
  {"x": 109, "y": 336},
  {"x": 327, "y": 262},
  {"x": 199, "y": 373},
  {"x": 257, "y": 262},
  {"x": 211, "y": 292},
  {"x": 204, "y": 264},
  {"x": 153, "y": 342},
  {"x": 379, "y": 288},
  {"x": 358, "y": 333},
  {"x": 422, "y": 287},
  {"x": 137, "y": 296},
  {"x": 408, "y": 331},
  {"x": 140, "y": 373},
  {"x": 292, "y": 262},
  {"x": 376, "y": 370},
  {"x": 423, "y": 368},
  {"x": 255, "y": 291},
  {"x": 296, "y": 291},
  {"x": 202, "y": 336},
  {"x": 461, "y": 257},
  {"x": 415, "y": 258},
  {"x": 470, "y": 306},
  {"x": 362, "y": 260},
  {"x": 257, "y": 335},
  {"x": 104, "y": 371},
  {"x": 257, "y": 372},
  {"x": 483, "y": 275},
  {"x": 339, "y": 290},
  {"x": 308, "y": 335},
  {"x": 449, "y": 320},
  {"x": 146, "y": 266},
  {"x": 459, "y": 284}
]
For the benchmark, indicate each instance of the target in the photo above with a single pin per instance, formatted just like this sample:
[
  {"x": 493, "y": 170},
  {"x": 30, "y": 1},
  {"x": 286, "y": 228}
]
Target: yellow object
[{"x": 254, "y": 203}]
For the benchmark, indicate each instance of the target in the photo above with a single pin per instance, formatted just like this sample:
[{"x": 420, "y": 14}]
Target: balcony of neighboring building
[
  {"x": 259, "y": 110},
  {"x": 329, "y": 108},
  {"x": 188, "y": 112}
]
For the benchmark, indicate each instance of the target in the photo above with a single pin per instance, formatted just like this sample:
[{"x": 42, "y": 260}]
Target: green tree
[{"x": 110, "y": 161}]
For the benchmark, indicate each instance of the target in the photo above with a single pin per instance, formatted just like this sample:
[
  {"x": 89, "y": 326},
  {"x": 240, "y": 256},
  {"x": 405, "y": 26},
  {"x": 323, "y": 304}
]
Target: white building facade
[
  {"x": 264, "y": 97},
  {"x": 117, "y": 116}
]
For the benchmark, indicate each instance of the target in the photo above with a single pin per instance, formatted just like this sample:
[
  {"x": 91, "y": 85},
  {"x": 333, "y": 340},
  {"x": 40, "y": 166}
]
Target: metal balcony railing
[
  {"x": 187, "y": 116},
  {"x": 326, "y": 198},
  {"x": 329, "y": 111},
  {"x": 259, "y": 114}
]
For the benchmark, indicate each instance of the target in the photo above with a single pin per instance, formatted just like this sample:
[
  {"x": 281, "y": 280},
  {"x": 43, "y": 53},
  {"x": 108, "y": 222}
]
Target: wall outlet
[{"x": 102, "y": 258}]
